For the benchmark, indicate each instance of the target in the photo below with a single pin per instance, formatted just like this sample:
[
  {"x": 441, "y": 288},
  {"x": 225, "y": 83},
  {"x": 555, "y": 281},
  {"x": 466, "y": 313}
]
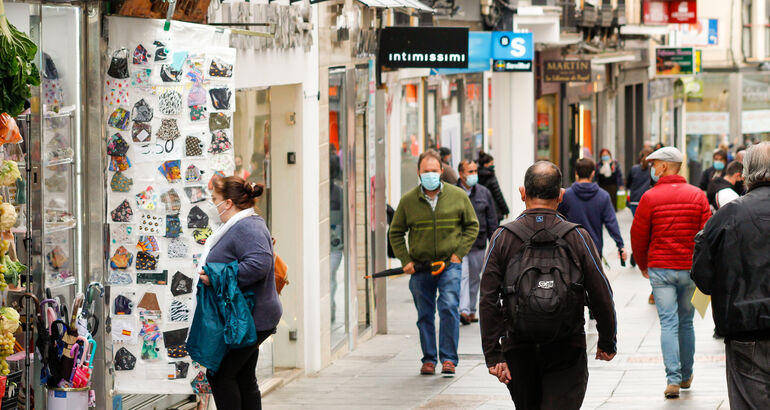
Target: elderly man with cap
[{"x": 662, "y": 238}]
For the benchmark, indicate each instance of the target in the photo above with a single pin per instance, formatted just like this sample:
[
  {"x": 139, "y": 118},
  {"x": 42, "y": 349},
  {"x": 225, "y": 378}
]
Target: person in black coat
[
  {"x": 717, "y": 170},
  {"x": 609, "y": 176},
  {"x": 488, "y": 179}
]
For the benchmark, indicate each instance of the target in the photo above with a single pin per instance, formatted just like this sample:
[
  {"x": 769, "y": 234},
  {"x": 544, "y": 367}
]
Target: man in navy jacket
[{"x": 590, "y": 206}]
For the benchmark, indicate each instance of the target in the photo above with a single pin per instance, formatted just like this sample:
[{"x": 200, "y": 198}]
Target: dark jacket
[
  {"x": 717, "y": 184},
  {"x": 505, "y": 245},
  {"x": 639, "y": 181},
  {"x": 707, "y": 176},
  {"x": 249, "y": 242},
  {"x": 616, "y": 178},
  {"x": 590, "y": 206},
  {"x": 732, "y": 264},
  {"x": 489, "y": 180},
  {"x": 484, "y": 205}
]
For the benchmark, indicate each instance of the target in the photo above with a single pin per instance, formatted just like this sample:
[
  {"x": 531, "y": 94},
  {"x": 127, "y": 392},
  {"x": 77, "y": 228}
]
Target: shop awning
[{"x": 398, "y": 4}]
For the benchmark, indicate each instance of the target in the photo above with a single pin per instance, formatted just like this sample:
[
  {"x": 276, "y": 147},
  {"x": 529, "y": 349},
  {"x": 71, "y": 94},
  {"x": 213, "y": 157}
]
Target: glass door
[{"x": 338, "y": 204}]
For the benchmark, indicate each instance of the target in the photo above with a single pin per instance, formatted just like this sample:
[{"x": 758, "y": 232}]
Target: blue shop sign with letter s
[{"x": 508, "y": 45}]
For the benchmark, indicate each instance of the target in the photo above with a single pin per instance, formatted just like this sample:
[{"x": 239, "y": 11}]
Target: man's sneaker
[
  {"x": 473, "y": 318},
  {"x": 687, "y": 383},
  {"x": 428, "y": 368},
  {"x": 672, "y": 391},
  {"x": 448, "y": 368},
  {"x": 465, "y": 319},
  {"x": 651, "y": 300}
]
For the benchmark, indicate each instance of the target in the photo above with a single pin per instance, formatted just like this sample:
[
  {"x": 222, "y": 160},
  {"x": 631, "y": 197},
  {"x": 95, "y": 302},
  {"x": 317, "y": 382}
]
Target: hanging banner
[
  {"x": 562, "y": 71},
  {"x": 169, "y": 97},
  {"x": 674, "y": 61},
  {"x": 707, "y": 123},
  {"x": 424, "y": 47},
  {"x": 756, "y": 121},
  {"x": 669, "y": 12},
  {"x": 703, "y": 33}
]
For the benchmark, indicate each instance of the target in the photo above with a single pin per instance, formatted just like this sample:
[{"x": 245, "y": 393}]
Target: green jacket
[{"x": 433, "y": 236}]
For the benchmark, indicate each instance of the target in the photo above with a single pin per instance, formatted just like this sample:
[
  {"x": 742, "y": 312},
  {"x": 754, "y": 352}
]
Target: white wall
[
  {"x": 274, "y": 67},
  {"x": 513, "y": 122}
]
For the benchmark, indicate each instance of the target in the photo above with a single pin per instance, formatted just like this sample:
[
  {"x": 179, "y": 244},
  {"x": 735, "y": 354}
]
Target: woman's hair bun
[{"x": 253, "y": 189}]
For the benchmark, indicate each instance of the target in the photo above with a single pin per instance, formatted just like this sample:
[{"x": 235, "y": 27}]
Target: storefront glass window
[
  {"x": 547, "y": 143},
  {"x": 411, "y": 146},
  {"x": 707, "y": 121},
  {"x": 473, "y": 119},
  {"x": 338, "y": 203},
  {"x": 755, "y": 119}
]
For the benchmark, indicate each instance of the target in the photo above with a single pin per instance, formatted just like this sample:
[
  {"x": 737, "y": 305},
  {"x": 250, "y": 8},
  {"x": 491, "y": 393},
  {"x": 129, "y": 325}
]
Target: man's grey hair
[{"x": 756, "y": 164}]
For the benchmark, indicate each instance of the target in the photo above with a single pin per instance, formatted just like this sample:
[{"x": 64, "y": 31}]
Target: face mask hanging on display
[{"x": 119, "y": 64}]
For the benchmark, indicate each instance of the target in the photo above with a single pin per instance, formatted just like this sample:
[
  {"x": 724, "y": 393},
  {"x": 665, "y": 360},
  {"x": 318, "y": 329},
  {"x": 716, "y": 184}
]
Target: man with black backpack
[{"x": 540, "y": 272}]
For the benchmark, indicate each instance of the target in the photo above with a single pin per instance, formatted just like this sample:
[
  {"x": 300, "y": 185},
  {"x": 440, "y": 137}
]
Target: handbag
[{"x": 281, "y": 271}]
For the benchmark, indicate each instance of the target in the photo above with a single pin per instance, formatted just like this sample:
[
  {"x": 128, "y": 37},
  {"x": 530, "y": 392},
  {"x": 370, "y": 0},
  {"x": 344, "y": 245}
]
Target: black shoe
[
  {"x": 633, "y": 261},
  {"x": 465, "y": 319}
]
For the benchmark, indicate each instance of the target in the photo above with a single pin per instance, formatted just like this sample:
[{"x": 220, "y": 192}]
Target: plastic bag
[{"x": 9, "y": 130}]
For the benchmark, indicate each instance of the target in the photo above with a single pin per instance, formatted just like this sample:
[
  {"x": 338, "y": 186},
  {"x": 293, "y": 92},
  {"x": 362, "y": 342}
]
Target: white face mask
[{"x": 217, "y": 208}]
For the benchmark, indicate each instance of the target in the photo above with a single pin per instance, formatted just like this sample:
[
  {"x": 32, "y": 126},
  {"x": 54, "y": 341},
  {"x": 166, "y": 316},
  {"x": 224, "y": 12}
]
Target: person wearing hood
[
  {"x": 609, "y": 176},
  {"x": 586, "y": 204},
  {"x": 488, "y": 179}
]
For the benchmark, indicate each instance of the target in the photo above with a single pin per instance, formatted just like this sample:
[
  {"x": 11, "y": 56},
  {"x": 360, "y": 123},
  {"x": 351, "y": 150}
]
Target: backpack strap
[
  {"x": 562, "y": 228},
  {"x": 520, "y": 230}
]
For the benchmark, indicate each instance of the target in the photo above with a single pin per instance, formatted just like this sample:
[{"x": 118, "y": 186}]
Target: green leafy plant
[{"x": 17, "y": 70}]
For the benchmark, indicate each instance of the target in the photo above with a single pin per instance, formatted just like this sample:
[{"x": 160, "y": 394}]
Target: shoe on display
[
  {"x": 672, "y": 391},
  {"x": 428, "y": 368}
]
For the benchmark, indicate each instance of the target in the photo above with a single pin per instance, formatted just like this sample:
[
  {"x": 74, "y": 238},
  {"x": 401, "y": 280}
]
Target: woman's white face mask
[{"x": 222, "y": 211}]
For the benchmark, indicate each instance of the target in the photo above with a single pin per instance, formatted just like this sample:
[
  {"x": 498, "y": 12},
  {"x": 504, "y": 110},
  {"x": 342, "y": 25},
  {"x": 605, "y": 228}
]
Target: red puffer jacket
[{"x": 667, "y": 219}]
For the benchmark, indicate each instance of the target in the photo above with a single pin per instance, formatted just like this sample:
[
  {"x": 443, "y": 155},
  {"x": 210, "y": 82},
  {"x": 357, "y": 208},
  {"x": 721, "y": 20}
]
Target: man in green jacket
[{"x": 442, "y": 227}]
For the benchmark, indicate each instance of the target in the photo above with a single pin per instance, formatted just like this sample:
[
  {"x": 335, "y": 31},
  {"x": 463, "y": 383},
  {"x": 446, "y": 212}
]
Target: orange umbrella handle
[{"x": 438, "y": 267}]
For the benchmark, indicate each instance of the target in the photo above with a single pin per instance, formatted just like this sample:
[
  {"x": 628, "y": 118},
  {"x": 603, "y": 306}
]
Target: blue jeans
[
  {"x": 673, "y": 290},
  {"x": 633, "y": 209},
  {"x": 424, "y": 287}
]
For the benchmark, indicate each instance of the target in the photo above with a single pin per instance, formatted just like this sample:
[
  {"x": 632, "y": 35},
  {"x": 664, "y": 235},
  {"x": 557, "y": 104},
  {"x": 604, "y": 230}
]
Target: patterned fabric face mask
[
  {"x": 141, "y": 56},
  {"x": 141, "y": 132},
  {"x": 197, "y": 113},
  {"x": 119, "y": 278},
  {"x": 141, "y": 78},
  {"x": 201, "y": 235},
  {"x": 121, "y": 233},
  {"x": 173, "y": 226},
  {"x": 146, "y": 261},
  {"x": 122, "y": 259},
  {"x": 119, "y": 119},
  {"x": 147, "y": 199},
  {"x": 122, "y": 213},
  {"x": 171, "y": 170},
  {"x": 220, "y": 98},
  {"x": 117, "y": 146},
  {"x": 219, "y": 121},
  {"x": 196, "y": 96},
  {"x": 219, "y": 68},
  {"x": 120, "y": 183},
  {"x": 119, "y": 164},
  {"x": 119, "y": 64},
  {"x": 161, "y": 52},
  {"x": 180, "y": 311},
  {"x": 219, "y": 142},
  {"x": 147, "y": 244},
  {"x": 193, "y": 174},
  {"x": 142, "y": 111},
  {"x": 170, "y": 102},
  {"x": 193, "y": 146},
  {"x": 181, "y": 284},
  {"x": 116, "y": 92},
  {"x": 124, "y": 360},
  {"x": 169, "y": 75},
  {"x": 150, "y": 225},
  {"x": 197, "y": 218},
  {"x": 168, "y": 130},
  {"x": 195, "y": 193},
  {"x": 171, "y": 201},
  {"x": 177, "y": 248}
]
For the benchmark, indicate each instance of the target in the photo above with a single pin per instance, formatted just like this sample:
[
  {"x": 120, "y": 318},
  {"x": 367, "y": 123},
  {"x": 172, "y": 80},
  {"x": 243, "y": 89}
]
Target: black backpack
[{"x": 543, "y": 294}]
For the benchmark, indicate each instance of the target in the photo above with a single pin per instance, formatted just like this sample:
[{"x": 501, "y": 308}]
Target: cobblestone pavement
[{"x": 383, "y": 372}]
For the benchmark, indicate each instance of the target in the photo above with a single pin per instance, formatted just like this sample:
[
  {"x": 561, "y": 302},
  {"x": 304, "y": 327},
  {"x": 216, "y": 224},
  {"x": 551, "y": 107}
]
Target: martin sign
[
  {"x": 424, "y": 47},
  {"x": 564, "y": 71}
]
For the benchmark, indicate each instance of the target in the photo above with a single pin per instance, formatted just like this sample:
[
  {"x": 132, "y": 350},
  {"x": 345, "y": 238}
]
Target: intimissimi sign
[{"x": 424, "y": 47}]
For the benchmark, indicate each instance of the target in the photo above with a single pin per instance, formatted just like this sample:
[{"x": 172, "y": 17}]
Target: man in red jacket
[{"x": 662, "y": 238}]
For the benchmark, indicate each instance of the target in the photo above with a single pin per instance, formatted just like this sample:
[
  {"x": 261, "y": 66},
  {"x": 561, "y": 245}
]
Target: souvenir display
[{"x": 168, "y": 129}]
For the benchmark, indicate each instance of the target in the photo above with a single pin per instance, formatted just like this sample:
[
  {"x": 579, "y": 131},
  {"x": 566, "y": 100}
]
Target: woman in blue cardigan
[{"x": 243, "y": 237}]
